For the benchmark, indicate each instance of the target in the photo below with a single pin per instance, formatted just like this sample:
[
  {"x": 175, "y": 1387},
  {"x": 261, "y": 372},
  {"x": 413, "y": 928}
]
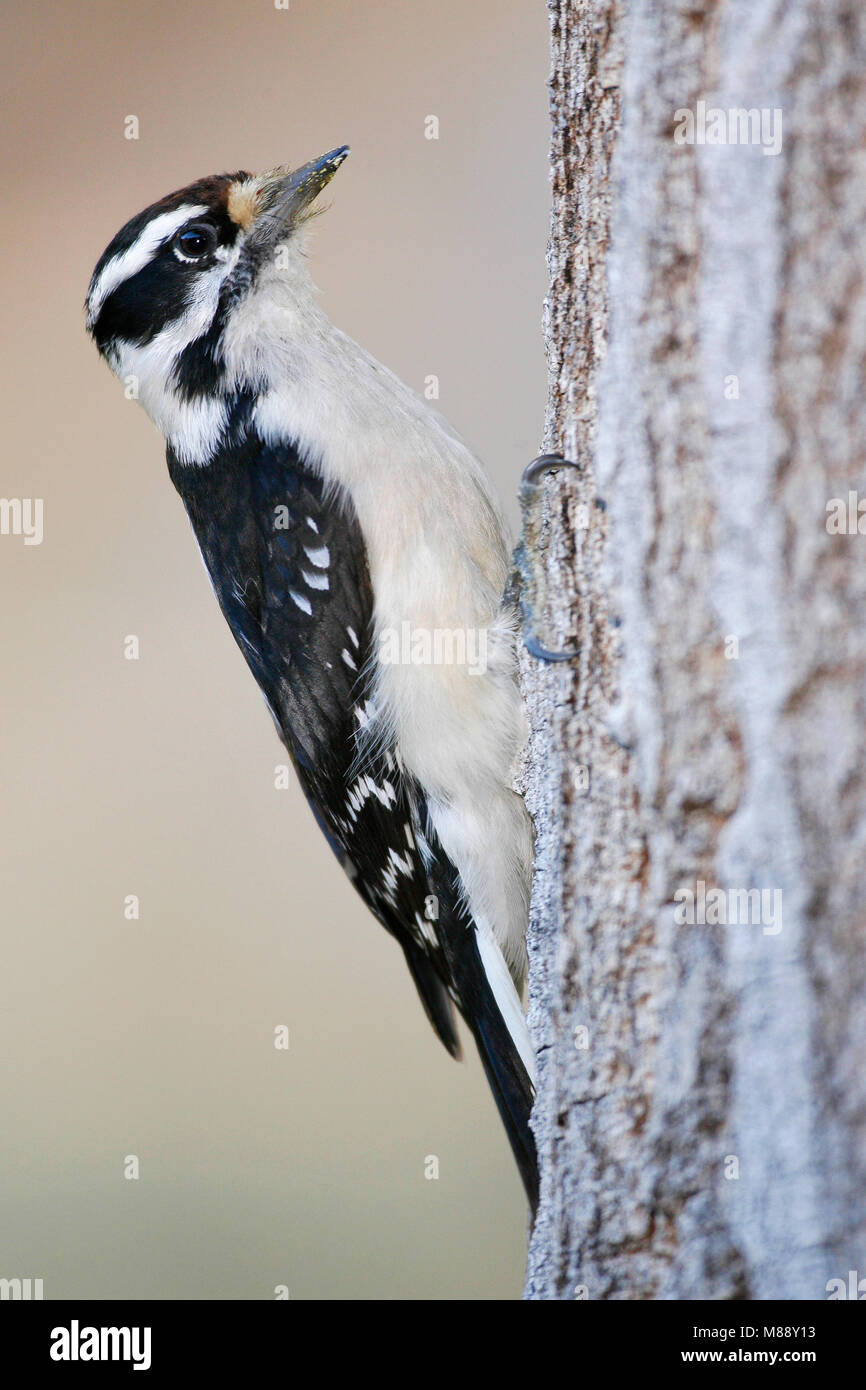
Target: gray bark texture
[{"x": 701, "y": 1116}]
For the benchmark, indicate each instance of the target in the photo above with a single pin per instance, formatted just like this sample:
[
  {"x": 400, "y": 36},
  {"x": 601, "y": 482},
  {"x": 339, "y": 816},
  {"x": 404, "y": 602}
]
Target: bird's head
[{"x": 165, "y": 290}]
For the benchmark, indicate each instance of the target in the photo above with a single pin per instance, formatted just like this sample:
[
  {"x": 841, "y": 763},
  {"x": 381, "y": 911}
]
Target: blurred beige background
[{"x": 156, "y": 777}]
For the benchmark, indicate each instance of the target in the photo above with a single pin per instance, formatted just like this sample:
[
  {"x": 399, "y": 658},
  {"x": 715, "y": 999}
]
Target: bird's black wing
[{"x": 289, "y": 567}]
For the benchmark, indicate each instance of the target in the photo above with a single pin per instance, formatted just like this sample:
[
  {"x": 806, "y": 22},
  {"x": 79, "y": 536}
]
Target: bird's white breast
[{"x": 438, "y": 555}]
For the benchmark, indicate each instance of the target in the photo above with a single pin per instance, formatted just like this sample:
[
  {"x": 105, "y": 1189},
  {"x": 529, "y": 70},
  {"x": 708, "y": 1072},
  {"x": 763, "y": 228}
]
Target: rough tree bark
[{"x": 701, "y": 1117}]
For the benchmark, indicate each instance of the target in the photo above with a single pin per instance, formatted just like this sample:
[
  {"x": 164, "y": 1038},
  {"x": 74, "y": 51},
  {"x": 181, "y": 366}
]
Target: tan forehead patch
[{"x": 243, "y": 202}]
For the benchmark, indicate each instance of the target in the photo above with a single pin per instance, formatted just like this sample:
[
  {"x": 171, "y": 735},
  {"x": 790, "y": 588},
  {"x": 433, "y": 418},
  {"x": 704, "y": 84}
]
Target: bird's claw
[{"x": 529, "y": 481}]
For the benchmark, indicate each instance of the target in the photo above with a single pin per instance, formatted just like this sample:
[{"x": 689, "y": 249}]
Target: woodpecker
[{"x": 359, "y": 555}]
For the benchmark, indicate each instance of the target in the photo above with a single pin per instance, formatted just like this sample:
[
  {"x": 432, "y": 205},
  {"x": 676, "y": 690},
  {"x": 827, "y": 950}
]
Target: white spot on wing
[
  {"x": 386, "y": 794},
  {"x": 365, "y": 714},
  {"x": 405, "y": 865},
  {"x": 302, "y": 602},
  {"x": 320, "y": 556},
  {"x": 428, "y": 929}
]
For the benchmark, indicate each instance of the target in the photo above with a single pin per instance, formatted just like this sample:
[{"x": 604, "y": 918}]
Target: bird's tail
[
  {"x": 509, "y": 1079},
  {"x": 492, "y": 1009},
  {"x": 480, "y": 984}
]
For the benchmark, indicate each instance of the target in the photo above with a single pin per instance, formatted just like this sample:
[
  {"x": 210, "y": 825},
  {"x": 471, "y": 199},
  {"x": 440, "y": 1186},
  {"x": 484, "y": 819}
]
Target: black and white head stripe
[
  {"x": 123, "y": 265},
  {"x": 144, "y": 280}
]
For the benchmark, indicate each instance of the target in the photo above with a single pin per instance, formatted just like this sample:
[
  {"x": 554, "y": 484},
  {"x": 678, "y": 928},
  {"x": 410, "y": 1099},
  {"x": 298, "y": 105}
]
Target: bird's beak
[{"x": 286, "y": 197}]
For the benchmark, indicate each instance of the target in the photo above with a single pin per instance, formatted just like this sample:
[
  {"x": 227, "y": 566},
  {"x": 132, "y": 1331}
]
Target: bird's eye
[{"x": 194, "y": 242}]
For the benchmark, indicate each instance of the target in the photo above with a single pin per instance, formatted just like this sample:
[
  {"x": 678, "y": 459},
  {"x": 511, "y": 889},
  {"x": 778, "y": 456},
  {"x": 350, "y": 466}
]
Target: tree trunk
[{"x": 701, "y": 1116}]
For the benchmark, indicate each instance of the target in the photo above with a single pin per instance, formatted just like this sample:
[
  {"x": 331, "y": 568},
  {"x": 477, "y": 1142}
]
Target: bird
[{"x": 360, "y": 557}]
